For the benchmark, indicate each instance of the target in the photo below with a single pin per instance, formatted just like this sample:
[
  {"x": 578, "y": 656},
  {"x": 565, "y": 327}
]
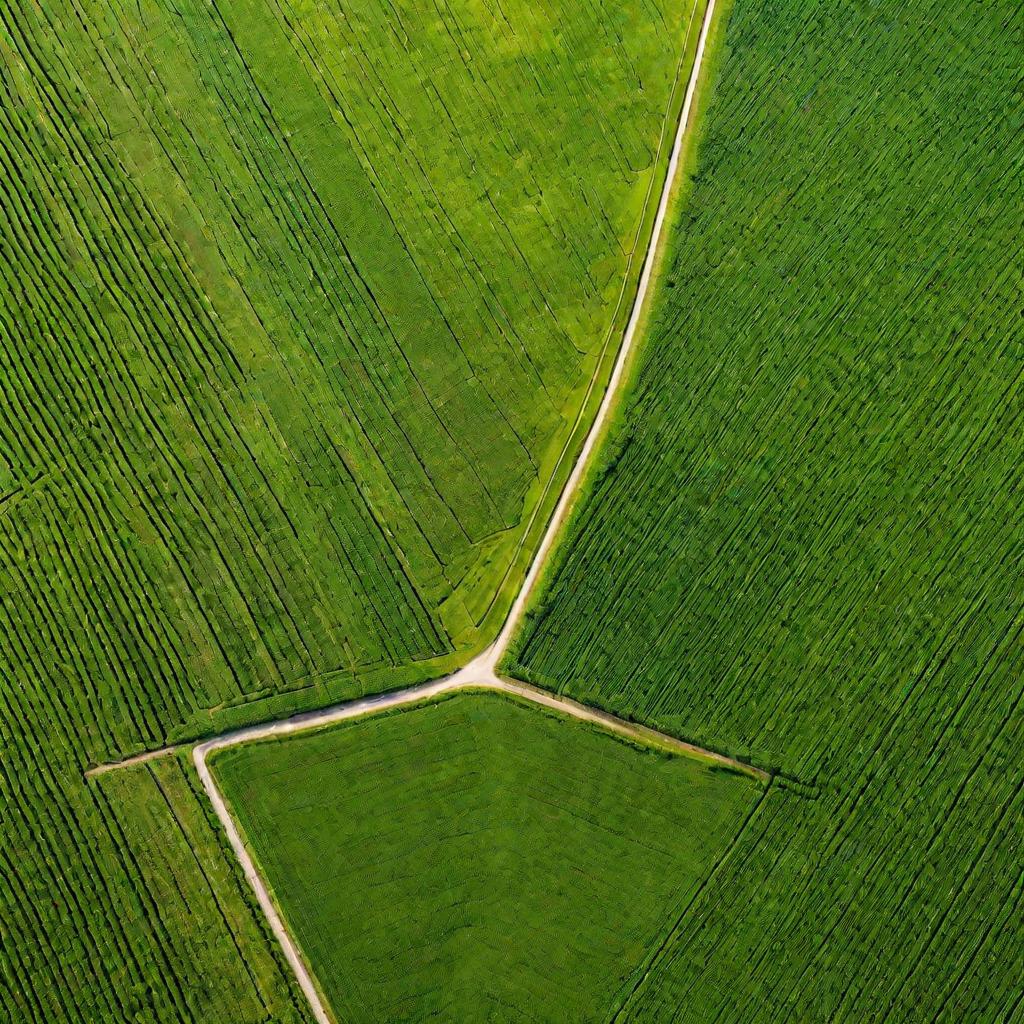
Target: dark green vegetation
[
  {"x": 296, "y": 304},
  {"x": 806, "y": 545},
  {"x": 120, "y": 904},
  {"x": 478, "y": 859}
]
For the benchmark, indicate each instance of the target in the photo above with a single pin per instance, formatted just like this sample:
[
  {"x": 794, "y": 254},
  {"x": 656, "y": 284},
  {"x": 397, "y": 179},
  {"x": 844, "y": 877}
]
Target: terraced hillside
[
  {"x": 479, "y": 859},
  {"x": 805, "y": 543},
  {"x": 298, "y": 304}
]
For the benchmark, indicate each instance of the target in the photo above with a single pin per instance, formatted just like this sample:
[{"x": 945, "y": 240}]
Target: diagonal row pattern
[
  {"x": 288, "y": 329},
  {"x": 805, "y": 546}
]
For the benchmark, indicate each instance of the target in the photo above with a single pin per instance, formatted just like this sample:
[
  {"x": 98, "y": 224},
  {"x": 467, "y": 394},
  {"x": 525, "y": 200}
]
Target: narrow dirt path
[
  {"x": 572, "y": 486},
  {"x": 481, "y": 672},
  {"x": 149, "y": 755},
  {"x": 460, "y": 681}
]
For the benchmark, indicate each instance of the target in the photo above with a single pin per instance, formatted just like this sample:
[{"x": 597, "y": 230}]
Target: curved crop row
[
  {"x": 807, "y": 549},
  {"x": 297, "y": 301}
]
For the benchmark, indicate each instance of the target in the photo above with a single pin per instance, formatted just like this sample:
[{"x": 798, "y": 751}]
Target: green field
[
  {"x": 301, "y": 326},
  {"x": 119, "y": 904},
  {"x": 479, "y": 859},
  {"x": 305, "y": 309},
  {"x": 298, "y": 304},
  {"x": 805, "y": 544},
  {"x": 183, "y": 892}
]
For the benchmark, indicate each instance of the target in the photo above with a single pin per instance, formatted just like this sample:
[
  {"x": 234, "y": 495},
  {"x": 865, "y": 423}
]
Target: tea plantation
[
  {"x": 805, "y": 542},
  {"x": 478, "y": 859},
  {"x": 298, "y": 307}
]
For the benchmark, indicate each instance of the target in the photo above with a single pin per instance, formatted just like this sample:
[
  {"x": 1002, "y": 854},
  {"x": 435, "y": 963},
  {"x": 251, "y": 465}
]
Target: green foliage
[
  {"x": 478, "y": 859},
  {"x": 810, "y": 551},
  {"x": 226, "y": 963},
  {"x": 296, "y": 303},
  {"x": 119, "y": 905}
]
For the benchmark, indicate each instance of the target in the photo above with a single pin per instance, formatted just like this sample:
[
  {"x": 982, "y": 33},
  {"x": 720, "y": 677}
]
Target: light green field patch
[
  {"x": 477, "y": 859},
  {"x": 299, "y": 301},
  {"x": 182, "y": 894}
]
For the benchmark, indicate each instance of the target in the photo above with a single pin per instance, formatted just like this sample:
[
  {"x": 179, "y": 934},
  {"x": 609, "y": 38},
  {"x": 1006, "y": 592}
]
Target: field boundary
[
  {"x": 481, "y": 673},
  {"x": 458, "y": 682},
  {"x": 601, "y": 377},
  {"x": 573, "y": 484}
]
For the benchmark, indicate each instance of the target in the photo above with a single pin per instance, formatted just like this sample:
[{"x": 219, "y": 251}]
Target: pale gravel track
[
  {"x": 571, "y": 489},
  {"x": 458, "y": 682},
  {"x": 481, "y": 672}
]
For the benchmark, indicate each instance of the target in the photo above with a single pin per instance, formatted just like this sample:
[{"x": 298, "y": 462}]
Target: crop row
[
  {"x": 292, "y": 299},
  {"x": 477, "y": 858},
  {"x": 805, "y": 545}
]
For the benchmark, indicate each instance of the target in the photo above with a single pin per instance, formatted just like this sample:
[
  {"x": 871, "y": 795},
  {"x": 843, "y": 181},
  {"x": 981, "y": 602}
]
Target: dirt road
[
  {"x": 466, "y": 678},
  {"x": 481, "y": 673},
  {"x": 572, "y": 485}
]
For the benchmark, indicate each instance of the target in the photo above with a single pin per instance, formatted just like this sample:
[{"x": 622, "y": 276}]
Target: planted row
[{"x": 807, "y": 551}]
